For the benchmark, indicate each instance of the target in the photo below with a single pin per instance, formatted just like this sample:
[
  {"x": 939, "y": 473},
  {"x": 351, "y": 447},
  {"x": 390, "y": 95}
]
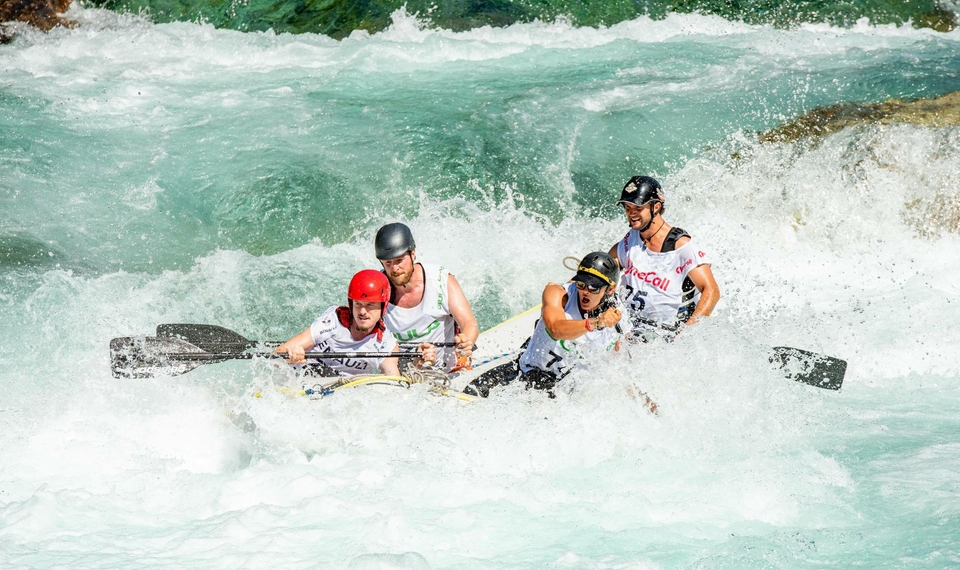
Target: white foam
[{"x": 814, "y": 245}]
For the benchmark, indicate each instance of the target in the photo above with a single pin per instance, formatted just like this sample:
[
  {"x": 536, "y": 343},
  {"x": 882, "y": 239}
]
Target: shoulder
[
  {"x": 326, "y": 322},
  {"x": 676, "y": 238},
  {"x": 434, "y": 273},
  {"x": 690, "y": 248},
  {"x": 553, "y": 293},
  {"x": 432, "y": 268},
  {"x": 387, "y": 340},
  {"x": 453, "y": 286},
  {"x": 631, "y": 242},
  {"x": 329, "y": 315}
]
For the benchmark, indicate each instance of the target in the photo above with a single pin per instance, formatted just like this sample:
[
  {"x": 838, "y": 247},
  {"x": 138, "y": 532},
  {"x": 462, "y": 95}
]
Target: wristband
[{"x": 586, "y": 324}]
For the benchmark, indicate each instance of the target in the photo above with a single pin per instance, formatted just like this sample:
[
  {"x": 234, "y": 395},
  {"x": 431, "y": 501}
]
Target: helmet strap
[
  {"x": 653, "y": 216},
  {"x": 605, "y": 304}
]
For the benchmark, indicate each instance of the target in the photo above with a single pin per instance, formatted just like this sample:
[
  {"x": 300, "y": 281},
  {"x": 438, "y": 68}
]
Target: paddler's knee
[
  {"x": 536, "y": 379},
  {"x": 499, "y": 376}
]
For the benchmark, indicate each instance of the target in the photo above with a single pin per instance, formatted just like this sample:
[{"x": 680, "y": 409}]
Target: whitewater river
[{"x": 179, "y": 173}]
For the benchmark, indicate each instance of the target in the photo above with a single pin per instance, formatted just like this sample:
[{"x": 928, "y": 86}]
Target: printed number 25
[{"x": 634, "y": 300}]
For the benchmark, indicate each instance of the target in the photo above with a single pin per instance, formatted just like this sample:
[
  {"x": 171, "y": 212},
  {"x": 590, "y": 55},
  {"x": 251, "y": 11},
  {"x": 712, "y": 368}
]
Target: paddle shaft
[
  {"x": 276, "y": 343},
  {"x": 803, "y": 366},
  {"x": 217, "y": 356}
]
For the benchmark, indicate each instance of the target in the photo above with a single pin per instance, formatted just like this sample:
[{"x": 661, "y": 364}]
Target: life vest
[
  {"x": 557, "y": 357},
  {"x": 331, "y": 333}
]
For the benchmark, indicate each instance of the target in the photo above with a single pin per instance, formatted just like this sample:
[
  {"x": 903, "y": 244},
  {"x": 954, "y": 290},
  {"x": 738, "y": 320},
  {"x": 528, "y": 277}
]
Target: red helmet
[{"x": 370, "y": 286}]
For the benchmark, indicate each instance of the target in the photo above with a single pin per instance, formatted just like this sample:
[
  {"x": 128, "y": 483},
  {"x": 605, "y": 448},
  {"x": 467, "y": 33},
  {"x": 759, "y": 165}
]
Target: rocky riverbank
[
  {"x": 938, "y": 112},
  {"x": 42, "y": 14}
]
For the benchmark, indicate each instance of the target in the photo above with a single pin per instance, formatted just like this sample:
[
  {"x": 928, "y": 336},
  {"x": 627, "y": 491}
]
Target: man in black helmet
[
  {"x": 426, "y": 303},
  {"x": 577, "y": 317},
  {"x": 666, "y": 276}
]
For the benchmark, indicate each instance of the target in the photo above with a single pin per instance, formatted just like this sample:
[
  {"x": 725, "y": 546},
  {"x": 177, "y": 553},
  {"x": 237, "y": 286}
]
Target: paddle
[
  {"x": 809, "y": 367},
  {"x": 801, "y": 365},
  {"x": 145, "y": 357},
  {"x": 214, "y": 338}
]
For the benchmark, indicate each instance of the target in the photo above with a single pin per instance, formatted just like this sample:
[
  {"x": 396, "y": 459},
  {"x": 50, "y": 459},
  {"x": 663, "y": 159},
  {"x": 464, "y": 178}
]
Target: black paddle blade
[
  {"x": 809, "y": 367},
  {"x": 146, "y": 357},
  {"x": 212, "y": 338}
]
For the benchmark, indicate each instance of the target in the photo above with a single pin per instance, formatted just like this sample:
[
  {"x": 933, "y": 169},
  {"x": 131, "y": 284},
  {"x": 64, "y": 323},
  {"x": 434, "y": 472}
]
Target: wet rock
[
  {"x": 939, "y": 112},
  {"x": 932, "y": 216},
  {"x": 41, "y": 14}
]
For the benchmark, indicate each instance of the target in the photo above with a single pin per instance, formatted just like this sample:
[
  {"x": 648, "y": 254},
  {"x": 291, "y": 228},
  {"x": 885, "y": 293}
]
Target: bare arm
[
  {"x": 391, "y": 366},
  {"x": 463, "y": 314},
  {"x": 702, "y": 277},
  {"x": 556, "y": 321},
  {"x": 296, "y": 346},
  {"x": 613, "y": 254}
]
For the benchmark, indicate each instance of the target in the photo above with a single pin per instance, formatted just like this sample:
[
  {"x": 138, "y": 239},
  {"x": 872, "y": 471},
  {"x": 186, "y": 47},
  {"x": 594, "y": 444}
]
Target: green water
[
  {"x": 338, "y": 18},
  {"x": 158, "y": 173}
]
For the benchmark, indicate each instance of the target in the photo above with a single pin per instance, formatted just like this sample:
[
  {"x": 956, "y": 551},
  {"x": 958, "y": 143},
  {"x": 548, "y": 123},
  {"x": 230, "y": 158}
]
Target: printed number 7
[{"x": 554, "y": 360}]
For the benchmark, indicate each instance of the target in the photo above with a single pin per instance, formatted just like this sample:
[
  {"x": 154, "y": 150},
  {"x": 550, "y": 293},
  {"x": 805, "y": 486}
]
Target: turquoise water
[
  {"x": 338, "y": 18},
  {"x": 159, "y": 173}
]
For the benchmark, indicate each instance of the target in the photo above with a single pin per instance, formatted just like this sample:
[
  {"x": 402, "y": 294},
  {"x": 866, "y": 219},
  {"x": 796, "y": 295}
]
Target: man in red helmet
[{"x": 357, "y": 327}]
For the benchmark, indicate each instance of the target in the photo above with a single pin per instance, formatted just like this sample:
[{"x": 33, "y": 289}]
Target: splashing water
[{"x": 179, "y": 173}]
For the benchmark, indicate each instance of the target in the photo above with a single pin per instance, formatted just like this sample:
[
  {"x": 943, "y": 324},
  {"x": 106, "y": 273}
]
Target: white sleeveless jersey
[
  {"x": 558, "y": 356},
  {"x": 331, "y": 335},
  {"x": 430, "y": 321},
  {"x": 651, "y": 283}
]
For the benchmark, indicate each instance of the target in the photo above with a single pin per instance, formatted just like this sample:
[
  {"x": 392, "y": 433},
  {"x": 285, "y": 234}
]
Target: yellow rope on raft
[
  {"x": 361, "y": 380},
  {"x": 354, "y": 381}
]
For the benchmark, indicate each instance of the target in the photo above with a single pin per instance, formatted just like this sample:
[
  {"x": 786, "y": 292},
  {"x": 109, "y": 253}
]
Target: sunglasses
[{"x": 588, "y": 288}]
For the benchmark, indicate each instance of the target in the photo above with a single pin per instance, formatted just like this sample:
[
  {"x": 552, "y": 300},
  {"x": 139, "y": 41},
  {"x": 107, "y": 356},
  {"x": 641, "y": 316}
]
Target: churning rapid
[{"x": 161, "y": 173}]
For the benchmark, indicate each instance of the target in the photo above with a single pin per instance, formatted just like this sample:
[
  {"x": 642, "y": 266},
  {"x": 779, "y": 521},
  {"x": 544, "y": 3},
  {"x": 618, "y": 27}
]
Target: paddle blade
[
  {"x": 212, "y": 338},
  {"x": 146, "y": 357},
  {"x": 809, "y": 367}
]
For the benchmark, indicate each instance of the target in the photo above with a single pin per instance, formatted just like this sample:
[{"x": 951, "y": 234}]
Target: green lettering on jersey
[
  {"x": 440, "y": 288},
  {"x": 412, "y": 334}
]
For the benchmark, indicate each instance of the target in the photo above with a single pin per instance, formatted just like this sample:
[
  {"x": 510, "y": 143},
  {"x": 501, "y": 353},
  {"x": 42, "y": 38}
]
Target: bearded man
[{"x": 426, "y": 303}]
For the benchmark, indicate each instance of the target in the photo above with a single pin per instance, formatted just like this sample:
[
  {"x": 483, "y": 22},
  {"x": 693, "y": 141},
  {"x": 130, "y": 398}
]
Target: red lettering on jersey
[
  {"x": 685, "y": 263},
  {"x": 648, "y": 277}
]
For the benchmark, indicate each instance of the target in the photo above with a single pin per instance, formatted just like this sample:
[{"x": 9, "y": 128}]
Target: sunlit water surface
[{"x": 178, "y": 173}]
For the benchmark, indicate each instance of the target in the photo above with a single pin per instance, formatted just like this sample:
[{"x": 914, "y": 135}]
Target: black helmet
[
  {"x": 597, "y": 269},
  {"x": 641, "y": 190},
  {"x": 394, "y": 240}
]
